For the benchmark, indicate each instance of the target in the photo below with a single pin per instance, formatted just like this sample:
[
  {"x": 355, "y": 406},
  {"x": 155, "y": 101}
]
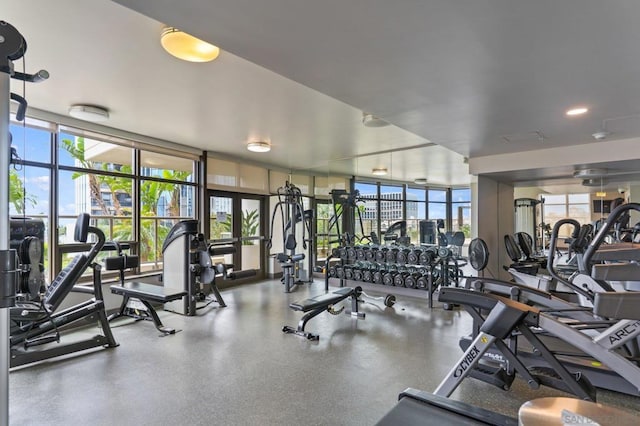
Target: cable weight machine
[
  {"x": 292, "y": 214},
  {"x": 13, "y": 46}
]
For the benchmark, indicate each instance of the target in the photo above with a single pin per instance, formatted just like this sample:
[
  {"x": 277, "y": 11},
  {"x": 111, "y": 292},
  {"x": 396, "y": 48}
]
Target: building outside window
[
  {"x": 96, "y": 176},
  {"x": 561, "y": 206}
]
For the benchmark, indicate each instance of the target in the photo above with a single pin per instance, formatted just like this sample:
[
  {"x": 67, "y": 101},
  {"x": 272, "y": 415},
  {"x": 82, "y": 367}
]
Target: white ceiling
[{"x": 464, "y": 74}]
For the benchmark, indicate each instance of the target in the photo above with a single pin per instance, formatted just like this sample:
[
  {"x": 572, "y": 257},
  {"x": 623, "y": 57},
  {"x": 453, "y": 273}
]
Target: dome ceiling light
[
  {"x": 89, "y": 113},
  {"x": 259, "y": 146},
  {"x": 187, "y": 47}
]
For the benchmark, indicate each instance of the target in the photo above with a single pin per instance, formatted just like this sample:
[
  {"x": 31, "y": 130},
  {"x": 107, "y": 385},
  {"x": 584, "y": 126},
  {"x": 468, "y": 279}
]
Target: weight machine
[
  {"x": 346, "y": 206},
  {"x": 12, "y": 47},
  {"x": 292, "y": 213}
]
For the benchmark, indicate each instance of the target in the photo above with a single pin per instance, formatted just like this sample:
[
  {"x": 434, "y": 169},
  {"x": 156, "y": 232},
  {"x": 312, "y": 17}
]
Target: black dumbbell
[
  {"x": 391, "y": 255},
  {"x": 388, "y": 277},
  {"x": 377, "y": 277},
  {"x": 381, "y": 254},
  {"x": 357, "y": 274},
  {"x": 339, "y": 272},
  {"x": 367, "y": 275},
  {"x": 403, "y": 255},
  {"x": 400, "y": 279},
  {"x": 370, "y": 255}
]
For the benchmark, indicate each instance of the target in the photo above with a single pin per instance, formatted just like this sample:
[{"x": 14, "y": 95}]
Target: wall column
[{"x": 494, "y": 220}]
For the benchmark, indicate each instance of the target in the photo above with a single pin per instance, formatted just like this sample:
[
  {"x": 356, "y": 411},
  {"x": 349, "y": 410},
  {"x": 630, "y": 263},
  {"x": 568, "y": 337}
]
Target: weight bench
[
  {"x": 324, "y": 302},
  {"x": 144, "y": 293}
]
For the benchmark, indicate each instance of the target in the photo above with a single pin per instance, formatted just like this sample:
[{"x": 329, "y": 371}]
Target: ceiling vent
[{"x": 589, "y": 173}]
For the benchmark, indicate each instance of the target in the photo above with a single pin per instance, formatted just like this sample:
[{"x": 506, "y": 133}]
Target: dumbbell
[
  {"x": 360, "y": 252},
  {"x": 388, "y": 277},
  {"x": 400, "y": 279},
  {"x": 342, "y": 252},
  {"x": 381, "y": 254},
  {"x": 339, "y": 272},
  {"x": 411, "y": 281},
  {"x": 348, "y": 272},
  {"x": 357, "y": 273},
  {"x": 377, "y": 277},
  {"x": 403, "y": 255},
  {"x": 370, "y": 255},
  {"x": 351, "y": 253},
  {"x": 332, "y": 271},
  {"x": 427, "y": 257},
  {"x": 367, "y": 275},
  {"x": 423, "y": 281},
  {"x": 413, "y": 258},
  {"x": 392, "y": 255}
]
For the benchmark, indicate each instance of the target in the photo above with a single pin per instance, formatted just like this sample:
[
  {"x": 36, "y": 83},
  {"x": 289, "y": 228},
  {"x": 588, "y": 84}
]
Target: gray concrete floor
[{"x": 234, "y": 366}]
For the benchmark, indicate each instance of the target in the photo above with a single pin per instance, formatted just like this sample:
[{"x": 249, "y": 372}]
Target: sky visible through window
[{"x": 35, "y": 145}]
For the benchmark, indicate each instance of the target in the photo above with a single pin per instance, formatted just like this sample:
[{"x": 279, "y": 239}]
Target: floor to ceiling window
[{"x": 133, "y": 193}]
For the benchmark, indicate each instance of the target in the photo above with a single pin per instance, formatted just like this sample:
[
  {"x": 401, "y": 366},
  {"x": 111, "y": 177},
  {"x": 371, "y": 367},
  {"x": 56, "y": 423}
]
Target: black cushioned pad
[
  {"x": 421, "y": 408},
  {"x": 322, "y": 300},
  {"x": 150, "y": 292}
]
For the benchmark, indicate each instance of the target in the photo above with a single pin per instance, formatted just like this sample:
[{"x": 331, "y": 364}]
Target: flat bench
[
  {"x": 318, "y": 304},
  {"x": 146, "y": 294}
]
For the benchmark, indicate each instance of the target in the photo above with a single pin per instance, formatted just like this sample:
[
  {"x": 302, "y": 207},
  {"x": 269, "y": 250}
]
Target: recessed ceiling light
[
  {"x": 577, "y": 111},
  {"x": 420, "y": 181},
  {"x": 379, "y": 171},
  {"x": 259, "y": 146},
  {"x": 89, "y": 112}
]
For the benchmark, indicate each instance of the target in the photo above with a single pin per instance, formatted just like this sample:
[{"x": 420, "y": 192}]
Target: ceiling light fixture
[
  {"x": 379, "y": 171},
  {"x": 370, "y": 120},
  {"x": 577, "y": 111},
  {"x": 259, "y": 146},
  {"x": 187, "y": 47},
  {"x": 89, "y": 112},
  {"x": 601, "y": 194},
  {"x": 420, "y": 181}
]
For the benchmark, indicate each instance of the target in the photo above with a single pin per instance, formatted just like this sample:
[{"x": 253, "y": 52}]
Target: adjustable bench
[
  {"x": 142, "y": 292},
  {"x": 324, "y": 302}
]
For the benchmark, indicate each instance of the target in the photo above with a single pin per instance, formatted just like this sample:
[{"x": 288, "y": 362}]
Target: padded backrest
[
  {"x": 526, "y": 243},
  {"x": 64, "y": 282},
  {"x": 513, "y": 250},
  {"x": 457, "y": 239},
  {"x": 81, "y": 232},
  {"x": 290, "y": 242}
]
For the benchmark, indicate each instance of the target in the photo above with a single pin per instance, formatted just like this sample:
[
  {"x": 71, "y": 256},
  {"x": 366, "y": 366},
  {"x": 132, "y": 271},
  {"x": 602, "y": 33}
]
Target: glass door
[
  {"x": 237, "y": 219},
  {"x": 251, "y": 232},
  {"x": 221, "y": 224}
]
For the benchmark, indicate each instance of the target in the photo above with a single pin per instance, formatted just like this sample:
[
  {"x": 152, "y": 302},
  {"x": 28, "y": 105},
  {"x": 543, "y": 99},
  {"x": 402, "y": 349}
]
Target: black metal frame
[
  {"x": 314, "y": 308},
  {"x": 31, "y": 332}
]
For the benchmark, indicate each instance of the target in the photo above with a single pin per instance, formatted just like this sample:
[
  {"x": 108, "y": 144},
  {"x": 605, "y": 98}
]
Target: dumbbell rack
[{"x": 414, "y": 267}]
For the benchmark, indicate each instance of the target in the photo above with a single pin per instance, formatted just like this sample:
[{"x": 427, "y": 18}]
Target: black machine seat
[
  {"x": 515, "y": 253},
  {"x": 150, "y": 292},
  {"x": 322, "y": 301},
  {"x": 417, "y": 407},
  {"x": 318, "y": 304}
]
